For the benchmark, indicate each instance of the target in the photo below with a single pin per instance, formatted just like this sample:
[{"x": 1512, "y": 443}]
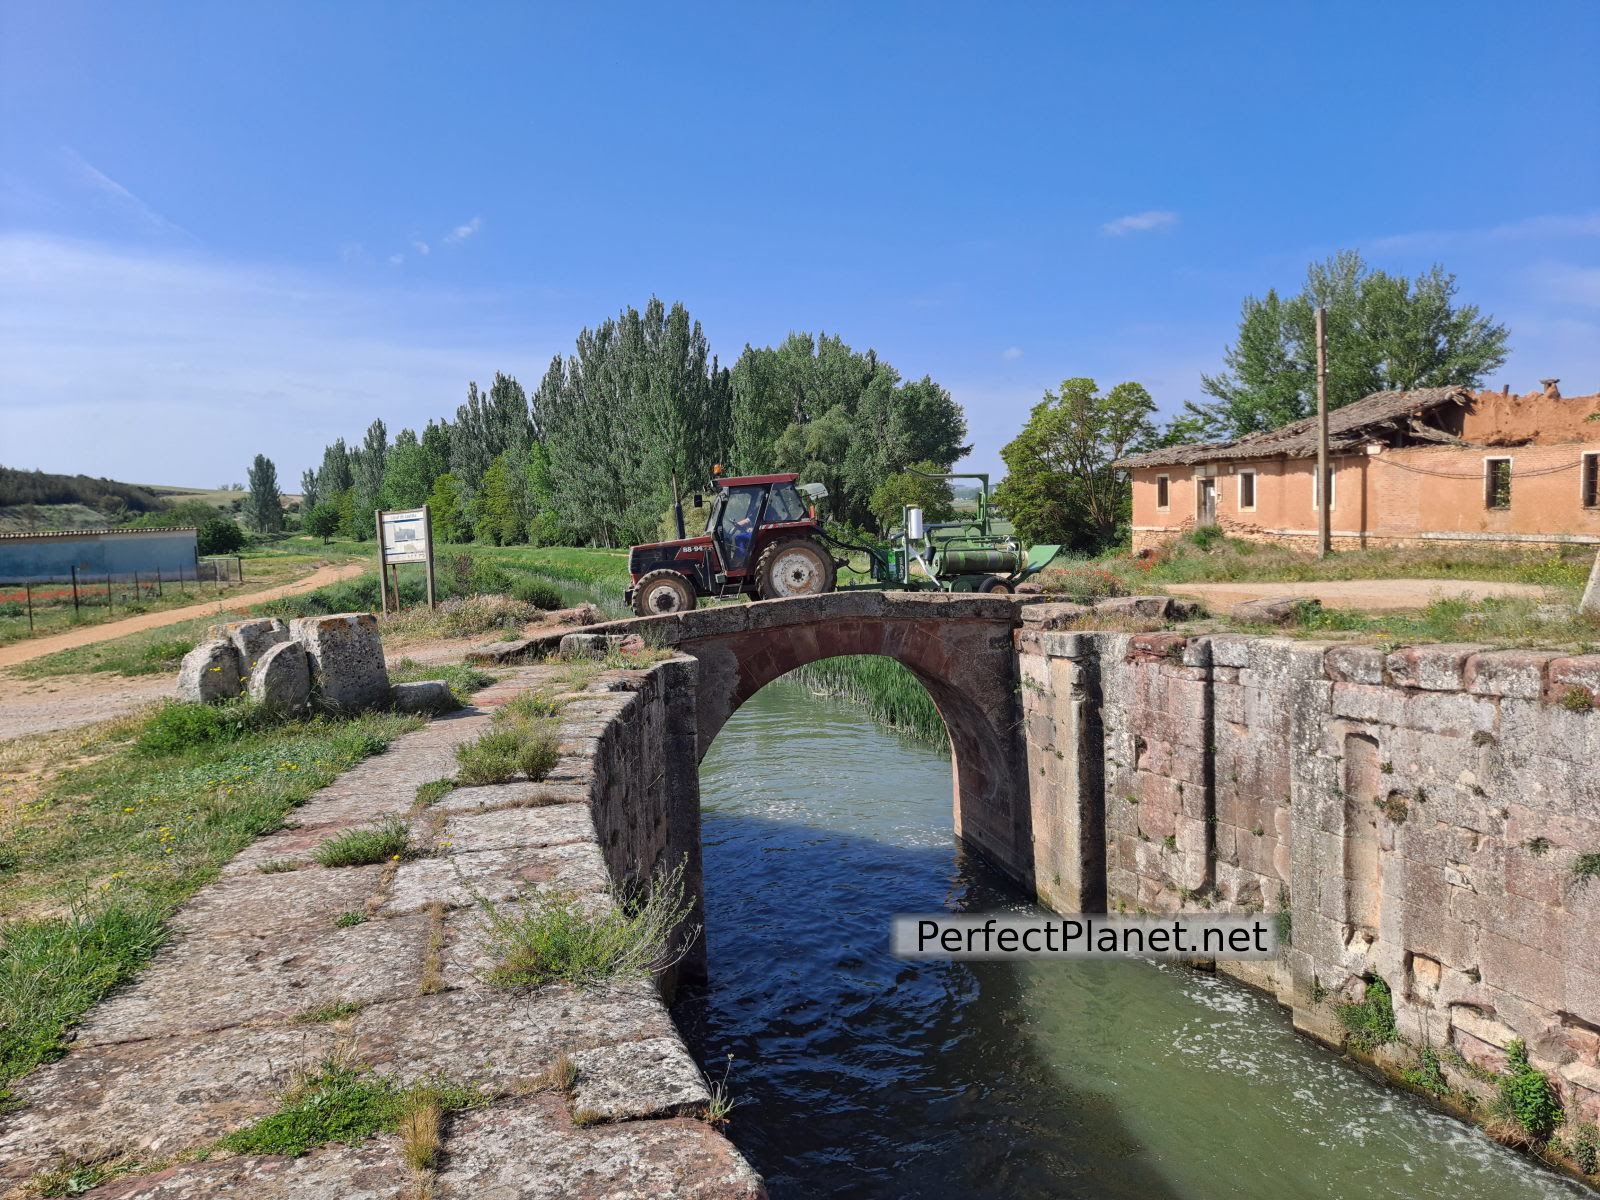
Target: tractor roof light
[{"x": 815, "y": 490}]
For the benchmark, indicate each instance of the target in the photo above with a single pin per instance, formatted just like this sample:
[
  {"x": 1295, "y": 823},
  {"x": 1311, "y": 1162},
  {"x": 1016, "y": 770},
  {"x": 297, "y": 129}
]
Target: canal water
[{"x": 860, "y": 1075}]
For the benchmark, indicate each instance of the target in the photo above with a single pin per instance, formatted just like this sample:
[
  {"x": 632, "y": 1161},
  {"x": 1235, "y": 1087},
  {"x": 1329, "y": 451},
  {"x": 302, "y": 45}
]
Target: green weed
[
  {"x": 559, "y": 937},
  {"x": 365, "y": 846},
  {"x": 1370, "y": 1020}
]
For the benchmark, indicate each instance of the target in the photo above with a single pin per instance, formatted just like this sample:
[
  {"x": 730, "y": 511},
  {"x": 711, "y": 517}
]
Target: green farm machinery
[{"x": 954, "y": 556}]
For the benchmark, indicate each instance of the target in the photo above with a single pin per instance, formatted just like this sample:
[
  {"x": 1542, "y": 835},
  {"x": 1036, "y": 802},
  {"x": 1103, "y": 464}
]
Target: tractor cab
[{"x": 762, "y": 539}]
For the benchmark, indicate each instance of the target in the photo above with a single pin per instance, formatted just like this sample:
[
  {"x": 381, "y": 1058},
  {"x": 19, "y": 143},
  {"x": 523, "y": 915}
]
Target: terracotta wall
[{"x": 1414, "y": 494}]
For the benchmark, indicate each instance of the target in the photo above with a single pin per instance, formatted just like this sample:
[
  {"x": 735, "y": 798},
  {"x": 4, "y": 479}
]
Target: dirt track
[
  {"x": 1370, "y": 595},
  {"x": 19, "y": 652}
]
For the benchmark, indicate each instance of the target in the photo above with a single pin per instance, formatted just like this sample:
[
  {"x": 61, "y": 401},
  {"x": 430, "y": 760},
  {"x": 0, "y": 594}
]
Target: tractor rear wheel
[
  {"x": 665, "y": 591},
  {"x": 799, "y": 567},
  {"x": 993, "y": 585}
]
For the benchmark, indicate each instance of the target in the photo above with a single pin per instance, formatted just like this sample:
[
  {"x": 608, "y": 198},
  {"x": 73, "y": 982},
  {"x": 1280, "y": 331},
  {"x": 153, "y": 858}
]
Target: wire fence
[{"x": 98, "y": 596}]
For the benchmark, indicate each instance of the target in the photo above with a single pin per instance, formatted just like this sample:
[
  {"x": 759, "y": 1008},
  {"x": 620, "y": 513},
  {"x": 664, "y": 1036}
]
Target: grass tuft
[
  {"x": 434, "y": 790},
  {"x": 522, "y": 741},
  {"x": 363, "y": 847},
  {"x": 560, "y": 938}
]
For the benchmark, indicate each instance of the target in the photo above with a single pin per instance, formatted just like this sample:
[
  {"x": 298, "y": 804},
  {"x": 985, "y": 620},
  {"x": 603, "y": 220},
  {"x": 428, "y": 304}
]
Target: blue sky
[{"x": 229, "y": 228}]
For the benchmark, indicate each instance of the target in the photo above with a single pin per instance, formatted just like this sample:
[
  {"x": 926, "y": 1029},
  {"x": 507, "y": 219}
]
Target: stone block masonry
[
  {"x": 1418, "y": 816},
  {"x": 282, "y": 963}
]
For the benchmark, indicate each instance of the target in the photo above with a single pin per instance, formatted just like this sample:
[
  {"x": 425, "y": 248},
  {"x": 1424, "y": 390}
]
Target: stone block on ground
[
  {"x": 210, "y": 672},
  {"x": 251, "y": 639},
  {"x": 281, "y": 679},
  {"x": 490, "y": 1152},
  {"x": 1159, "y": 608},
  {"x": 346, "y": 655},
  {"x": 580, "y": 645},
  {"x": 636, "y": 1080},
  {"x": 1275, "y": 610},
  {"x": 423, "y": 696}
]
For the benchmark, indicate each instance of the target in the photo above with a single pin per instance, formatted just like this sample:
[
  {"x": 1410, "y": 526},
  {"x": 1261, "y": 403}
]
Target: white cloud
[
  {"x": 1567, "y": 282},
  {"x": 462, "y": 232},
  {"x": 396, "y": 259},
  {"x": 167, "y": 367},
  {"x": 1140, "y": 223},
  {"x": 120, "y": 197},
  {"x": 1011, "y": 353},
  {"x": 1551, "y": 226},
  {"x": 420, "y": 246}
]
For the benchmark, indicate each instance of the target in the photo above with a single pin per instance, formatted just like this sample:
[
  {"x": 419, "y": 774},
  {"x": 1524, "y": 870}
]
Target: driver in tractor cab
[{"x": 741, "y": 514}]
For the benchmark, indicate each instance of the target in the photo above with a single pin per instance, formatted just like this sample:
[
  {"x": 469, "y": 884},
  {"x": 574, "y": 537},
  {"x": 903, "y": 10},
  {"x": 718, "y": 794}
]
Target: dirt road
[
  {"x": 1369, "y": 595},
  {"x": 19, "y": 652}
]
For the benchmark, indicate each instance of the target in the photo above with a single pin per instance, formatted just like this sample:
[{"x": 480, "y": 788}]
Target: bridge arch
[{"x": 960, "y": 647}]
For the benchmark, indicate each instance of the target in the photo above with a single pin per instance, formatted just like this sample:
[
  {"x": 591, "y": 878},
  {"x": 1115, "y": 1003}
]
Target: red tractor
[{"x": 762, "y": 539}]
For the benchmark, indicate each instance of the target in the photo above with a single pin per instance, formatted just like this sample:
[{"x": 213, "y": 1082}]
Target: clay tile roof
[{"x": 1348, "y": 427}]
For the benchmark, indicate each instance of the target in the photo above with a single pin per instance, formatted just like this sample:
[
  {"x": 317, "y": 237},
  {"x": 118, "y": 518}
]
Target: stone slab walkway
[{"x": 205, "y": 1040}]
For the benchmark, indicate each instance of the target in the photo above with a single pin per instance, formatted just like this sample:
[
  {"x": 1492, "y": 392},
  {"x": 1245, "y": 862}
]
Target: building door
[{"x": 1206, "y": 508}]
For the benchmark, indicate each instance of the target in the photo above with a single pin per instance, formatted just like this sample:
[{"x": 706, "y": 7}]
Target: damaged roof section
[{"x": 1425, "y": 415}]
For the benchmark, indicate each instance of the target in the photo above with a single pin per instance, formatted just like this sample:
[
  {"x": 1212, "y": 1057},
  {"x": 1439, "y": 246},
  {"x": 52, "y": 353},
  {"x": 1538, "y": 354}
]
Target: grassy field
[{"x": 105, "y": 831}]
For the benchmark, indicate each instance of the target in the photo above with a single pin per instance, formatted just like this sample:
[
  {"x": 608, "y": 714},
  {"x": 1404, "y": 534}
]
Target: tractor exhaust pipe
[{"x": 677, "y": 507}]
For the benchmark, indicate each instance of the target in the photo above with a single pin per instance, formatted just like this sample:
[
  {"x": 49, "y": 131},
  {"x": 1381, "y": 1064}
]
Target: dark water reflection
[{"x": 861, "y": 1075}]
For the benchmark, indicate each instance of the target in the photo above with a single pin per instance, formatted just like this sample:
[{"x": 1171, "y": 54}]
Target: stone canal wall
[{"x": 1418, "y": 816}]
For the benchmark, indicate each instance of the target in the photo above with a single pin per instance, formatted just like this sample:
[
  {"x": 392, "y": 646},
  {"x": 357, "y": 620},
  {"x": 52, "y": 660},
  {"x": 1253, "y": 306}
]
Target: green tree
[
  {"x": 486, "y": 426},
  {"x": 353, "y": 522},
  {"x": 1385, "y": 333},
  {"x": 640, "y": 400},
  {"x": 322, "y": 521},
  {"x": 334, "y": 475},
  {"x": 407, "y": 477},
  {"x": 263, "y": 508},
  {"x": 498, "y": 511},
  {"x": 933, "y": 496},
  {"x": 219, "y": 535},
  {"x": 839, "y": 417},
  {"x": 1060, "y": 486},
  {"x": 309, "y": 491},
  {"x": 446, "y": 511}
]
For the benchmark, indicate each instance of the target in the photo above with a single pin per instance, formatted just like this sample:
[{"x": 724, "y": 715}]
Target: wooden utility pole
[{"x": 1324, "y": 490}]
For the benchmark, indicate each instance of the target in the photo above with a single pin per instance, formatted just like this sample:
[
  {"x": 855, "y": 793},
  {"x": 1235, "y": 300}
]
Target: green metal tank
[{"x": 999, "y": 560}]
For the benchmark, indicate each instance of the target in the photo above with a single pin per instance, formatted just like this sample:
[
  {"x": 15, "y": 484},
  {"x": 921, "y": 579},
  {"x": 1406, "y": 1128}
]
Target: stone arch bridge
[{"x": 959, "y": 646}]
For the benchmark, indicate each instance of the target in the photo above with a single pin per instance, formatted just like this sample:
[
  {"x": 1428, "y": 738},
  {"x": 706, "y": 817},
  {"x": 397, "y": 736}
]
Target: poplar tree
[{"x": 263, "y": 506}]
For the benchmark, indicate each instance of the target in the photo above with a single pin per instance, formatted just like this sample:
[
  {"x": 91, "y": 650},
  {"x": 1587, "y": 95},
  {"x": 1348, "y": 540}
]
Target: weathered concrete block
[
  {"x": 346, "y": 657},
  {"x": 1518, "y": 673},
  {"x": 1582, "y": 671},
  {"x": 579, "y": 645},
  {"x": 1440, "y": 668},
  {"x": 1158, "y": 608},
  {"x": 251, "y": 639},
  {"x": 1355, "y": 664},
  {"x": 423, "y": 696},
  {"x": 210, "y": 672},
  {"x": 281, "y": 679},
  {"x": 1275, "y": 610},
  {"x": 1053, "y": 615},
  {"x": 634, "y": 1081}
]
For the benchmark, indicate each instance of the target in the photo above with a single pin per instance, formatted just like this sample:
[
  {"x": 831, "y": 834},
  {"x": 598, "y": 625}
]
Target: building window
[
  {"x": 1333, "y": 489},
  {"x": 1247, "y": 491},
  {"x": 1497, "y": 483},
  {"x": 1591, "y": 480},
  {"x": 1163, "y": 495}
]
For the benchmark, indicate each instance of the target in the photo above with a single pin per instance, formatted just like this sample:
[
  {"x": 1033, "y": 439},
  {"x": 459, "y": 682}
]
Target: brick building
[{"x": 1420, "y": 467}]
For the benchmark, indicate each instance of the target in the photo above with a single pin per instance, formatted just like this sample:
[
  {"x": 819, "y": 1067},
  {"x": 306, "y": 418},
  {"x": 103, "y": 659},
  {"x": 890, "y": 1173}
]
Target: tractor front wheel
[
  {"x": 993, "y": 585},
  {"x": 661, "y": 592},
  {"x": 794, "y": 568}
]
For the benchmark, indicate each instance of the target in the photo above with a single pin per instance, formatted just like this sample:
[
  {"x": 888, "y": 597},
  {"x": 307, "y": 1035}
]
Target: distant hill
[{"x": 105, "y": 495}]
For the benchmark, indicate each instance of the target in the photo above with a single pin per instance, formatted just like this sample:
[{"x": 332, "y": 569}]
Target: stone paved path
[{"x": 205, "y": 1039}]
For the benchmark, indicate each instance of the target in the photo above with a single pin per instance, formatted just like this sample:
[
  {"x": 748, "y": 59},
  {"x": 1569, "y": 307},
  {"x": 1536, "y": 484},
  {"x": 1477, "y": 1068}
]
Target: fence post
[
  {"x": 27, "y": 588},
  {"x": 136, "y": 596},
  {"x": 111, "y": 606},
  {"x": 158, "y": 583},
  {"x": 75, "y": 591},
  {"x": 240, "y": 557}
]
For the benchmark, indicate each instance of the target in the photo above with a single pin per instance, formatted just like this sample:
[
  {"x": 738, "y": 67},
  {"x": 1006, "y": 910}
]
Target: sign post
[{"x": 404, "y": 537}]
